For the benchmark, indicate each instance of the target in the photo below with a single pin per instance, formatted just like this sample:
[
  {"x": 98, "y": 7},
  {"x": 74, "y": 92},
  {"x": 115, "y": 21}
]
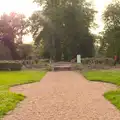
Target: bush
[
  {"x": 10, "y": 65},
  {"x": 102, "y": 61},
  {"x": 49, "y": 68},
  {"x": 77, "y": 67}
]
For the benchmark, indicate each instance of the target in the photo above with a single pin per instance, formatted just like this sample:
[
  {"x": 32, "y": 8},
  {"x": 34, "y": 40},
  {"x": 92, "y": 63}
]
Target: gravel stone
[{"x": 64, "y": 96}]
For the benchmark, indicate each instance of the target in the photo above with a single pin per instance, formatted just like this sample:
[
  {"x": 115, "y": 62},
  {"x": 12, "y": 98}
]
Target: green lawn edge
[
  {"x": 11, "y": 102},
  {"x": 113, "y": 97},
  {"x": 8, "y": 99},
  {"x": 107, "y": 76}
]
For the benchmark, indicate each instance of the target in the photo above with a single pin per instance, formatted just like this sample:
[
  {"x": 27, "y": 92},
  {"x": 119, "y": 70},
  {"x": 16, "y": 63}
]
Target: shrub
[
  {"x": 104, "y": 61},
  {"x": 10, "y": 65},
  {"x": 49, "y": 68},
  {"x": 77, "y": 67}
]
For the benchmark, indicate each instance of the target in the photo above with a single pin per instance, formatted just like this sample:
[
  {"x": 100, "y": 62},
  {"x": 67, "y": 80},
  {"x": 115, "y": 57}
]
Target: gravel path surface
[{"x": 64, "y": 96}]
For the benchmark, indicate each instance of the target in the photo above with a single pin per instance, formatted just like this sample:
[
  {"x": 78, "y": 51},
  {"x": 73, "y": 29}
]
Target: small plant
[{"x": 49, "y": 68}]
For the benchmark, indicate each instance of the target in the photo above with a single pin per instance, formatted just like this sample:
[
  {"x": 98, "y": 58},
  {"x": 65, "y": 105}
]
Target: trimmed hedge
[
  {"x": 102, "y": 61},
  {"x": 10, "y": 65}
]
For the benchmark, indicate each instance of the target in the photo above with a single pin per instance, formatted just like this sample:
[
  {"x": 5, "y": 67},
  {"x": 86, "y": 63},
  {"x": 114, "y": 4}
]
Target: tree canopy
[
  {"x": 64, "y": 26},
  {"x": 12, "y": 29},
  {"x": 111, "y": 34}
]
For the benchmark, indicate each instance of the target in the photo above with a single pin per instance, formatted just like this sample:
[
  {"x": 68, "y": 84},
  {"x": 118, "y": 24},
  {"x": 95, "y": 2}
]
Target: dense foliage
[
  {"x": 110, "y": 43},
  {"x": 63, "y": 26},
  {"x": 12, "y": 28},
  {"x": 61, "y": 30}
]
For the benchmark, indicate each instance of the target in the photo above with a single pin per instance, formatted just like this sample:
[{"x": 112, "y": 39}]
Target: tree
[
  {"x": 64, "y": 27},
  {"x": 5, "y": 53},
  {"x": 12, "y": 29},
  {"x": 25, "y": 50},
  {"x": 17, "y": 23},
  {"x": 111, "y": 34}
]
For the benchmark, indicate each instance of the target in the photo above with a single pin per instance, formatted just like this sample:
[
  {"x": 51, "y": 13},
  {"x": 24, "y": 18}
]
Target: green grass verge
[
  {"x": 109, "y": 77},
  {"x": 9, "y": 100},
  {"x": 113, "y": 97},
  {"x": 104, "y": 76}
]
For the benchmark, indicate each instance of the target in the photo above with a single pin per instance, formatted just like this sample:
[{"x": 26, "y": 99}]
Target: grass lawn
[
  {"x": 104, "y": 76},
  {"x": 110, "y": 77},
  {"x": 9, "y": 100}
]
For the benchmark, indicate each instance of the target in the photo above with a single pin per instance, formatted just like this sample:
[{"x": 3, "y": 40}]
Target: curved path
[{"x": 64, "y": 96}]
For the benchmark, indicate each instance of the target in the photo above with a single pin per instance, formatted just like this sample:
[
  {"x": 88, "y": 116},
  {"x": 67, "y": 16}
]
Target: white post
[{"x": 78, "y": 59}]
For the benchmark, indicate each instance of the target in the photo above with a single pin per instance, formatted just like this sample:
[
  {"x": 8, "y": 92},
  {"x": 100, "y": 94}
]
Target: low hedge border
[
  {"x": 10, "y": 65},
  {"x": 105, "y": 61}
]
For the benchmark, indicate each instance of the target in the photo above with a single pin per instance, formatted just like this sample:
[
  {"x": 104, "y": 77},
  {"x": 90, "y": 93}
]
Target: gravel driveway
[{"x": 64, "y": 96}]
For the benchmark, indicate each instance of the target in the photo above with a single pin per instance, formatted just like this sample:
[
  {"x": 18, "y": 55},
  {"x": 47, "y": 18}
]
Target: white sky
[
  {"x": 27, "y": 7},
  {"x": 100, "y": 7},
  {"x": 23, "y": 6}
]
